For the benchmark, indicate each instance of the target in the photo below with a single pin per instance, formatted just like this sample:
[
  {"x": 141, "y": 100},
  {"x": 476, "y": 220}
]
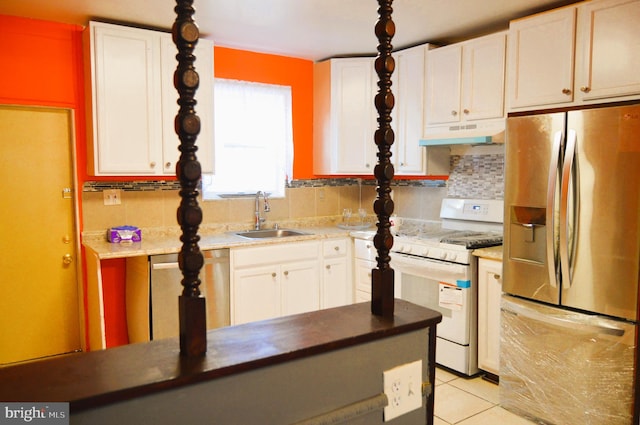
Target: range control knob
[
  {"x": 407, "y": 249},
  {"x": 443, "y": 255},
  {"x": 453, "y": 256},
  {"x": 425, "y": 252}
]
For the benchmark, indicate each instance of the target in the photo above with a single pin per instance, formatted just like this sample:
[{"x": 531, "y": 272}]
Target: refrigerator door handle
[
  {"x": 551, "y": 198},
  {"x": 587, "y": 326},
  {"x": 567, "y": 171}
]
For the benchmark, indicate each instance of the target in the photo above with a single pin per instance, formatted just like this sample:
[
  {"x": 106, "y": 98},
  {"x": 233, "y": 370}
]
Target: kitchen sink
[{"x": 270, "y": 233}]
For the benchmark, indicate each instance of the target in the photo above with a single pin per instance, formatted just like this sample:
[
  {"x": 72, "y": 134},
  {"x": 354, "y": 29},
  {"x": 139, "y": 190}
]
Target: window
[{"x": 253, "y": 139}]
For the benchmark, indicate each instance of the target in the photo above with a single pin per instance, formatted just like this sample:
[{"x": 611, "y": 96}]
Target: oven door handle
[{"x": 429, "y": 268}]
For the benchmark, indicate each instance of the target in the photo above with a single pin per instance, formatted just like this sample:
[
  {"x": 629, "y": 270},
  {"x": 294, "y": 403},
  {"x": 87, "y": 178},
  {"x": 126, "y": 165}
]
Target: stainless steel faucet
[{"x": 259, "y": 220}]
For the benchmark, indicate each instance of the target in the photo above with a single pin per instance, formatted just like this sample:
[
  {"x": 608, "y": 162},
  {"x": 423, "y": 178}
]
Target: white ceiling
[{"x": 309, "y": 29}]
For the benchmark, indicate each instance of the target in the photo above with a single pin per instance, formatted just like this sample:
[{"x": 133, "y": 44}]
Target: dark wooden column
[
  {"x": 382, "y": 277},
  {"x": 192, "y": 308}
]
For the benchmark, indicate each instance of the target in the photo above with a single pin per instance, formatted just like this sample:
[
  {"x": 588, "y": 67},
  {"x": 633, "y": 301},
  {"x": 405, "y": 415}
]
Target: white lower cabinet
[
  {"x": 288, "y": 278},
  {"x": 274, "y": 280},
  {"x": 363, "y": 279},
  {"x": 365, "y": 256},
  {"x": 336, "y": 289},
  {"x": 489, "y": 295}
]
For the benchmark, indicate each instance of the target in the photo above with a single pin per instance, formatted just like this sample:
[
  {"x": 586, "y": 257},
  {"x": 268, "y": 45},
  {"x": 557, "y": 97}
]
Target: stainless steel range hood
[{"x": 481, "y": 133}]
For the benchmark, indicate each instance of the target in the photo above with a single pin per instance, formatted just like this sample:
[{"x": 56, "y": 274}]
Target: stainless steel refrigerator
[{"x": 571, "y": 266}]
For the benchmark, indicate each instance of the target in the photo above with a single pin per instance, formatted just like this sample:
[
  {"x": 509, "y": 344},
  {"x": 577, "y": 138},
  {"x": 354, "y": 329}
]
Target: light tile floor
[{"x": 463, "y": 401}]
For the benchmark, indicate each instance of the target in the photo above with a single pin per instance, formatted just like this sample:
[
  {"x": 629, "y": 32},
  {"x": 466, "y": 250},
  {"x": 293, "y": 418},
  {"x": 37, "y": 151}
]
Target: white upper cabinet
[
  {"x": 575, "y": 55},
  {"x": 541, "y": 59},
  {"x": 444, "y": 86},
  {"x": 465, "y": 84},
  {"x": 203, "y": 108},
  {"x": 608, "y": 50},
  {"x": 344, "y": 116},
  {"x": 408, "y": 87},
  {"x": 483, "y": 77},
  {"x": 134, "y": 103}
]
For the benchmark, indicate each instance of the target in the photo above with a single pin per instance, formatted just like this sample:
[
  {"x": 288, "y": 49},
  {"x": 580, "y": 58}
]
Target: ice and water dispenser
[{"x": 528, "y": 239}]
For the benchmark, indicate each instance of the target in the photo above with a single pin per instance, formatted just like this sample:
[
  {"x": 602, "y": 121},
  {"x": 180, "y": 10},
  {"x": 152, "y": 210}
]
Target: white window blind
[{"x": 253, "y": 139}]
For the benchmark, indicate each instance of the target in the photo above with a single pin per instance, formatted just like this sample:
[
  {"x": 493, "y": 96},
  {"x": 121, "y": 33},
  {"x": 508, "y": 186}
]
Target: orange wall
[
  {"x": 41, "y": 64},
  {"x": 272, "y": 69}
]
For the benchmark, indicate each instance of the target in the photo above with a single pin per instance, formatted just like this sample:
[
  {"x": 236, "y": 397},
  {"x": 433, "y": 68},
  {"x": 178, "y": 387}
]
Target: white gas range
[{"x": 434, "y": 267}]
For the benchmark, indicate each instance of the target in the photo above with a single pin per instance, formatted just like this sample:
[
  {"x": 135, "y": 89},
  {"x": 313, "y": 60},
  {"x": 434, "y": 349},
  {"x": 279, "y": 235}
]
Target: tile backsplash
[{"x": 475, "y": 173}]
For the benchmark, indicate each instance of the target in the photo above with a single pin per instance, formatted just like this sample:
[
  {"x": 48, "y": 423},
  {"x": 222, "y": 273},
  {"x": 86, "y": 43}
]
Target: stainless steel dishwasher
[{"x": 166, "y": 287}]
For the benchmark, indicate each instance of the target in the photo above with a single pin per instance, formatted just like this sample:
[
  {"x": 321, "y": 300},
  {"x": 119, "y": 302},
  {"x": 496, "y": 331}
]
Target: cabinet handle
[
  {"x": 328, "y": 266},
  {"x": 402, "y": 164},
  {"x": 454, "y": 113},
  {"x": 566, "y": 91},
  {"x": 496, "y": 276},
  {"x": 368, "y": 245},
  {"x": 367, "y": 165},
  {"x": 167, "y": 165},
  {"x": 67, "y": 259},
  {"x": 585, "y": 89},
  {"x": 337, "y": 248},
  {"x": 152, "y": 164},
  {"x": 466, "y": 111},
  {"x": 273, "y": 274},
  {"x": 286, "y": 273}
]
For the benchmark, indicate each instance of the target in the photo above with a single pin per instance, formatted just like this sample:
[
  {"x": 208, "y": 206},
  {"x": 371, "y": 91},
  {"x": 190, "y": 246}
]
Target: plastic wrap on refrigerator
[{"x": 563, "y": 367}]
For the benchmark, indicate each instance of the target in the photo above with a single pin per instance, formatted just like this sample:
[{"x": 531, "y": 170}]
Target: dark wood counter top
[{"x": 98, "y": 378}]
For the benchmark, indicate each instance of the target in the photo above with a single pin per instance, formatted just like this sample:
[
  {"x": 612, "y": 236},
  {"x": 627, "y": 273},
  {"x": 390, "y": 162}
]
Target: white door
[
  {"x": 300, "y": 287},
  {"x": 256, "y": 294},
  {"x": 127, "y": 109},
  {"x": 408, "y": 87},
  {"x": 355, "y": 114},
  {"x": 541, "y": 58},
  {"x": 39, "y": 286},
  {"x": 336, "y": 285},
  {"x": 444, "y": 67},
  {"x": 609, "y": 51},
  {"x": 483, "y": 71},
  {"x": 489, "y": 296}
]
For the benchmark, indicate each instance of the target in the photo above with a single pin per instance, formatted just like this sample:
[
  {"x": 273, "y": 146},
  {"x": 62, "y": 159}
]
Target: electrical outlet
[
  {"x": 112, "y": 197},
  {"x": 403, "y": 387}
]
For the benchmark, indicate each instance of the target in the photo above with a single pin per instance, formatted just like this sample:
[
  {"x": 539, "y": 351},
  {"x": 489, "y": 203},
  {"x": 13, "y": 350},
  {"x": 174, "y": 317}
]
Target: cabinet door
[
  {"x": 444, "y": 67},
  {"x": 408, "y": 87},
  {"x": 336, "y": 285},
  {"x": 363, "y": 276},
  {"x": 126, "y": 100},
  {"x": 489, "y": 295},
  {"x": 483, "y": 69},
  {"x": 541, "y": 59},
  {"x": 256, "y": 294},
  {"x": 353, "y": 112},
  {"x": 300, "y": 287},
  {"x": 608, "y": 49},
  {"x": 204, "y": 107}
]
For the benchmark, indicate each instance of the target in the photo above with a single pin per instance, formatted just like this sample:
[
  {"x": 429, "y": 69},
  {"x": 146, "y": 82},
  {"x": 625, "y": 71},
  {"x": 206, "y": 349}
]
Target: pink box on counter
[{"x": 124, "y": 234}]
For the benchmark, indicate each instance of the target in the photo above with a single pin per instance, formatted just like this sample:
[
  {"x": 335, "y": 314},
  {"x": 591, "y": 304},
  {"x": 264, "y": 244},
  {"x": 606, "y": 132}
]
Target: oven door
[{"x": 441, "y": 286}]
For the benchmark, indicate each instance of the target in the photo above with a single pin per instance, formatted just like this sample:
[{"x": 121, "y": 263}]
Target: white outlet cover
[{"x": 403, "y": 387}]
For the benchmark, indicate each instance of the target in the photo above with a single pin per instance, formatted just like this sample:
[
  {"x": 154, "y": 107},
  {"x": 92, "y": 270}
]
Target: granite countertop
[
  {"x": 158, "y": 242},
  {"x": 490, "y": 253}
]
